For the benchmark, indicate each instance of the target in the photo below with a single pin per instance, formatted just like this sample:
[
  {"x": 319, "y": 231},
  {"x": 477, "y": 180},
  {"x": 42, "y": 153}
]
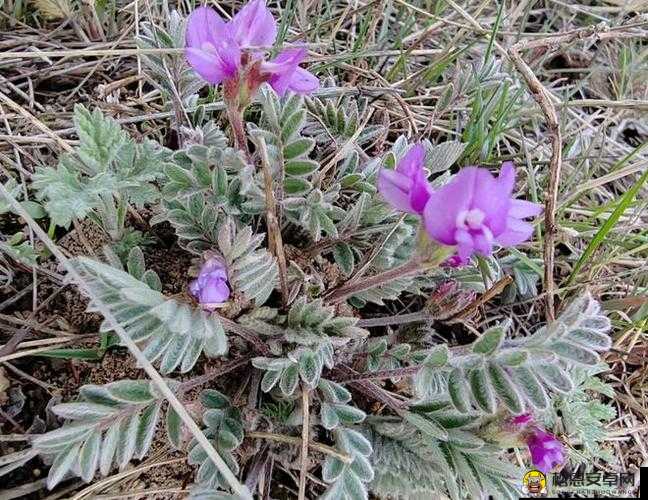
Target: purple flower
[
  {"x": 231, "y": 52},
  {"x": 285, "y": 73},
  {"x": 254, "y": 26},
  {"x": 211, "y": 49},
  {"x": 406, "y": 188},
  {"x": 474, "y": 211},
  {"x": 522, "y": 420},
  {"x": 210, "y": 288},
  {"x": 546, "y": 451}
]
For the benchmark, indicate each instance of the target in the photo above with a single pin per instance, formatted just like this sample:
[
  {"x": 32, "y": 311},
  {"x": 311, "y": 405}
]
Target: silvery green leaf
[
  {"x": 332, "y": 469},
  {"x": 426, "y": 425},
  {"x": 591, "y": 338},
  {"x": 108, "y": 448},
  {"x": 458, "y": 390},
  {"x": 62, "y": 464},
  {"x": 329, "y": 416},
  {"x": 504, "y": 388},
  {"x": 554, "y": 377},
  {"x": 89, "y": 456},
  {"x": 490, "y": 340},
  {"x": 530, "y": 387},
  {"x": 362, "y": 468},
  {"x": 83, "y": 410},
  {"x": 289, "y": 379},
  {"x": 441, "y": 157},
  {"x": 354, "y": 487},
  {"x": 173, "y": 425},
  {"x": 63, "y": 436},
  {"x": 130, "y": 391},
  {"x": 348, "y": 415},
  {"x": 482, "y": 390},
  {"x": 146, "y": 429},
  {"x": 127, "y": 440},
  {"x": 333, "y": 392},
  {"x": 575, "y": 353},
  {"x": 309, "y": 368},
  {"x": 270, "y": 379}
]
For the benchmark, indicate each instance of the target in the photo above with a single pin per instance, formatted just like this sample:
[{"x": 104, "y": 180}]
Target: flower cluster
[
  {"x": 232, "y": 53},
  {"x": 546, "y": 450},
  {"x": 210, "y": 288},
  {"x": 473, "y": 212}
]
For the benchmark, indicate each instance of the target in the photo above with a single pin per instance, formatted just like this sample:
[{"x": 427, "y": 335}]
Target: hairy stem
[{"x": 322, "y": 448}]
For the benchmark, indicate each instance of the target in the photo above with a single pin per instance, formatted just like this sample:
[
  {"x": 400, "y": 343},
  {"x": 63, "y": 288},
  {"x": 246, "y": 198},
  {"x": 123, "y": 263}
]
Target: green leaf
[
  {"x": 530, "y": 387},
  {"x": 504, "y": 388},
  {"x": 309, "y": 368},
  {"x": 328, "y": 416},
  {"x": 575, "y": 353},
  {"x": 295, "y": 186},
  {"x": 289, "y": 379},
  {"x": 89, "y": 456},
  {"x": 299, "y": 168},
  {"x": 554, "y": 377},
  {"x": 425, "y": 425},
  {"x": 458, "y": 390},
  {"x": 62, "y": 464},
  {"x": 298, "y": 148},
  {"x": 344, "y": 258},
  {"x": 490, "y": 340},
  {"x": 174, "y": 428},
  {"x": 481, "y": 390},
  {"x": 608, "y": 225}
]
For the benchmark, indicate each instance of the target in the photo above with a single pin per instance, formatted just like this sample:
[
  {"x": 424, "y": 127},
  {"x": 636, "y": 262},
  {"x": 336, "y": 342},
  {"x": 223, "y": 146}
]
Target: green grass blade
[{"x": 600, "y": 236}]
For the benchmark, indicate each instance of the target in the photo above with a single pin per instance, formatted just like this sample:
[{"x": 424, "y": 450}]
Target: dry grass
[{"x": 558, "y": 87}]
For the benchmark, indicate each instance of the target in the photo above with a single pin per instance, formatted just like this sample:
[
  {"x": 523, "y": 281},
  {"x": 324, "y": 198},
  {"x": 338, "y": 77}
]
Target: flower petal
[
  {"x": 521, "y": 209},
  {"x": 282, "y": 68},
  {"x": 413, "y": 161},
  {"x": 211, "y": 51},
  {"x": 419, "y": 192},
  {"x": 492, "y": 197},
  {"x": 254, "y": 26},
  {"x": 395, "y": 189},
  {"x": 204, "y": 26},
  {"x": 207, "y": 65},
  {"x": 516, "y": 232},
  {"x": 215, "y": 291},
  {"x": 445, "y": 204},
  {"x": 303, "y": 81}
]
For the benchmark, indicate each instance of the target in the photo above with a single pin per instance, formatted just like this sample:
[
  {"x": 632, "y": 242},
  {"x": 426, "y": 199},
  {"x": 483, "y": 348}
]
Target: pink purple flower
[
  {"x": 231, "y": 52},
  {"x": 546, "y": 451},
  {"x": 475, "y": 211},
  {"x": 406, "y": 188},
  {"x": 210, "y": 288}
]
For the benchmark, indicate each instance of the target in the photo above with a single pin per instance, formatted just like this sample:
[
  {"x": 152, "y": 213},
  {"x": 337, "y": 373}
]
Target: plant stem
[
  {"x": 397, "y": 319},
  {"x": 304, "y": 442},
  {"x": 408, "y": 269},
  {"x": 322, "y": 448},
  {"x": 218, "y": 372},
  {"x": 235, "y": 118}
]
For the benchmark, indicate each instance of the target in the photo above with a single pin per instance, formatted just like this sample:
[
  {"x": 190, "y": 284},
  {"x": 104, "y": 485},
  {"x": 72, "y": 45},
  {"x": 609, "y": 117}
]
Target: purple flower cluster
[
  {"x": 210, "y": 288},
  {"x": 546, "y": 450},
  {"x": 473, "y": 212},
  {"x": 232, "y": 52}
]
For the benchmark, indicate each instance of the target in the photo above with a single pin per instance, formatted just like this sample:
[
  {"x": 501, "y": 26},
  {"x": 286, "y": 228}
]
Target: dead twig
[
  {"x": 304, "y": 442},
  {"x": 274, "y": 231}
]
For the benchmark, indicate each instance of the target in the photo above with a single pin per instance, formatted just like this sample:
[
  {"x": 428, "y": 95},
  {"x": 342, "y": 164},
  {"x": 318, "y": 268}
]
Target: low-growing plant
[{"x": 299, "y": 234}]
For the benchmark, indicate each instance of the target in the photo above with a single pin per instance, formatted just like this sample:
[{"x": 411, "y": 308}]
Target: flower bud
[{"x": 210, "y": 288}]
